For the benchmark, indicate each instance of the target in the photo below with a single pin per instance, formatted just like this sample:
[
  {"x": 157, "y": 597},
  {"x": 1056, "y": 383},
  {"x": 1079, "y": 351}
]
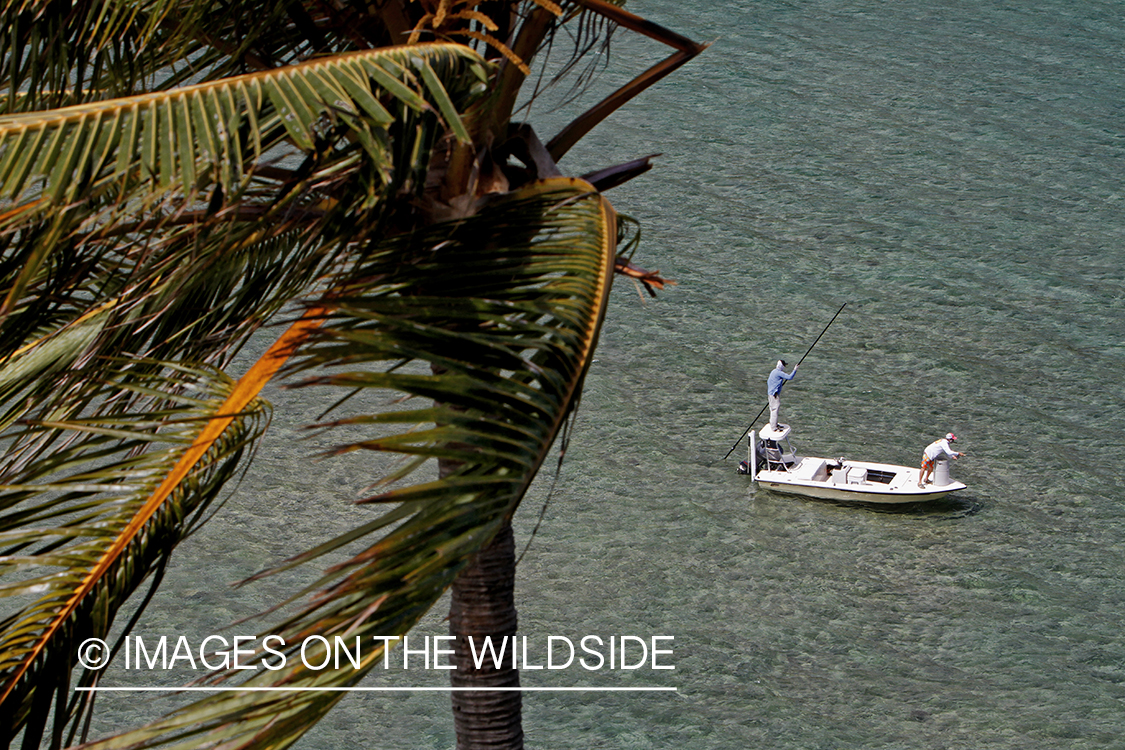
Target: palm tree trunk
[{"x": 483, "y": 604}]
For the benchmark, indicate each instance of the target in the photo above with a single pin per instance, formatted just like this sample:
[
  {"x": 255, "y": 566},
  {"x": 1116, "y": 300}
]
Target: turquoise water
[{"x": 953, "y": 172}]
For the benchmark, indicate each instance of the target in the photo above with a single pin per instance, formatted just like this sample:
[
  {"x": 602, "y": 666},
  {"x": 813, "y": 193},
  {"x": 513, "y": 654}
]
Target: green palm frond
[
  {"x": 490, "y": 326},
  {"x": 216, "y": 133},
  {"x": 90, "y": 506},
  {"x": 59, "y": 52},
  {"x": 361, "y": 127},
  {"x": 502, "y": 311},
  {"x": 103, "y": 449},
  {"x": 26, "y": 370},
  {"x": 51, "y": 50}
]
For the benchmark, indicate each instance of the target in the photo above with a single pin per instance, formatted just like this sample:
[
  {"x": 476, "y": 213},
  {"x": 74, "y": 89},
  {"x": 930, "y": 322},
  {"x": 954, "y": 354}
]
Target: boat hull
[
  {"x": 897, "y": 484},
  {"x": 821, "y": 492}
]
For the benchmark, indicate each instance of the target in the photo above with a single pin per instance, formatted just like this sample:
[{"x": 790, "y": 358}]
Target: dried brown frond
[
  {"x": 652, "y": 280},
  {"x": 500, "y": 47},
  {"x": 446, "y": 19}
]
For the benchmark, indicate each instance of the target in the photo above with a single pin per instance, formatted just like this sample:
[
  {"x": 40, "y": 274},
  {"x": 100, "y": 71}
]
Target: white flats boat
[{"x": 775, "y": 465}]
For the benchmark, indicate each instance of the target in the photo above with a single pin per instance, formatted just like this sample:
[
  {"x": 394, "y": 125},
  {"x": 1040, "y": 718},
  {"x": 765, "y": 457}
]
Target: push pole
[{"x": 763, "y": 411}]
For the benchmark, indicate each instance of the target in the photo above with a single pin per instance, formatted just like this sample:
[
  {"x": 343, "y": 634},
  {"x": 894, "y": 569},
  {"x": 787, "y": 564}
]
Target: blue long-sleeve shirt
[{"x": 777, "y": 379}]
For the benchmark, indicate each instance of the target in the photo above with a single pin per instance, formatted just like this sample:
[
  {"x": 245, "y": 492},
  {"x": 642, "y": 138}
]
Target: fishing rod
[{"x": 763, "y": 411}]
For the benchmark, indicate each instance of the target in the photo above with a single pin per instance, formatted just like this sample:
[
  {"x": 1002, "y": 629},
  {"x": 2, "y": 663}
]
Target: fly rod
[{"x": 763, "y": 411}]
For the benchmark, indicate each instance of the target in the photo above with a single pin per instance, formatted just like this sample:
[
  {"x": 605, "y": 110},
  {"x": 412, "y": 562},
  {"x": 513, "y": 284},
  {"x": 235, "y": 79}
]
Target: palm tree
[{"x": 179, "y": 175}]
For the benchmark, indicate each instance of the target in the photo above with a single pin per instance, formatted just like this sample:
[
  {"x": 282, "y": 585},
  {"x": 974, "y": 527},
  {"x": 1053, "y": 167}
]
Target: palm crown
[{"x": 177, "y": 174}]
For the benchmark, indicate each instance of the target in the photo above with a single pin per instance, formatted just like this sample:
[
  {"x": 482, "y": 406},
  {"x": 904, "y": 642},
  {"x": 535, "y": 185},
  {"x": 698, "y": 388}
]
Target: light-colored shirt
[
  {"x": 777, "y": 379},
  {"x": 938, "y": 447}
]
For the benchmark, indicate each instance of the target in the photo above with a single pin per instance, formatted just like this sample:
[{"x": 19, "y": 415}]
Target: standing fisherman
[
  {"x": 773, "y": 388},
  {"x": 775, "y": 405},
  {"x": 933, "y": 452}
]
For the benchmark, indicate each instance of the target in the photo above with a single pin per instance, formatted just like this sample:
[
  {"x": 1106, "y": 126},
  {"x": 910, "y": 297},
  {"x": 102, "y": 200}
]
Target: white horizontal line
[{"x": 373, "y": 689}]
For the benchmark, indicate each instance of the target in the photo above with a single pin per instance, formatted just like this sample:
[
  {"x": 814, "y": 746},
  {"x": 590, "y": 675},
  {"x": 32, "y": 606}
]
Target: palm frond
[
  {"x": 91, "y": 505},
  {"x": 193, "y": 138},
  {"x": 54, "y": 52},
  {"x": 60, "y": 52},
  {"x": 24, "y": 370},
  {"x": 490, "y": 325},
  {"x": 361, "y": 125},
  {"x": 686, "y": 49},
  {"x": 98, "y": 435}
]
